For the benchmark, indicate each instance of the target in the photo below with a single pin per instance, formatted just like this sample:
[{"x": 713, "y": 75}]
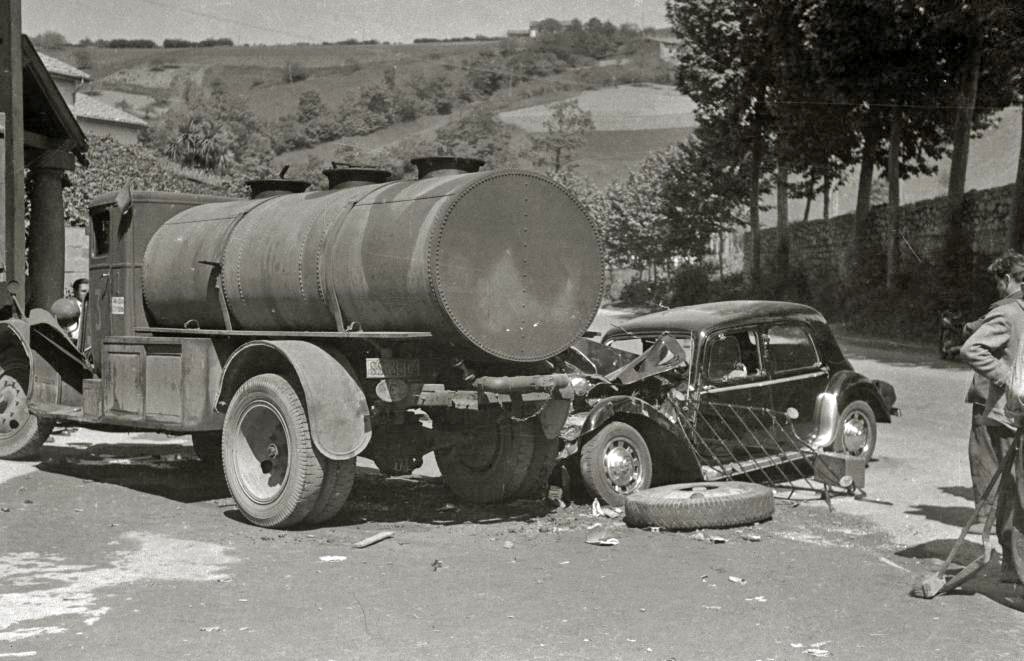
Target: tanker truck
[{"x": 293, "y": 331}]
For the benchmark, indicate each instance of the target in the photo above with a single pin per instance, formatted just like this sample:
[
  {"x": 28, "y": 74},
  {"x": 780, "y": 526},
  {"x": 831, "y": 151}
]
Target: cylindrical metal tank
[{"x": 507, "y": 262}]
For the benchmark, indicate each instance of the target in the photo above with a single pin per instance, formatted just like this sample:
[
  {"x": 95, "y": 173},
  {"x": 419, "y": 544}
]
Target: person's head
[
  {"x": 79, "y": 288},
  {"x": 1008, "y": 271}
]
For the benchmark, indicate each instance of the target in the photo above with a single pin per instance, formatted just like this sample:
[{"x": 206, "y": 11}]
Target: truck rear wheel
[
  {"x": 491, "y": 466},
  {"x": 22, "y": 433},
  {"x": 543, "y": 458},
  {"x": 271, "y": 467}
]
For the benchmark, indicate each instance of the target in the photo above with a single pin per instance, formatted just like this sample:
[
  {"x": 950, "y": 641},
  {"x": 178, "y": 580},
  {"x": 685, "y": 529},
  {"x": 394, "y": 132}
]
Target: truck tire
[
  {"x": 339, "y": 476},
  {"x": 857, "y": 431},
  {"x": 274, "y": 486},
  {"x": 207, "y": 446},
  {"x": 693, "y": 505},
  {"x": 615, "y": 463},
  {"x": 22, "y": 433},
  {"x": 489, "y": 468},
  {"x": 542, "y": 461}
]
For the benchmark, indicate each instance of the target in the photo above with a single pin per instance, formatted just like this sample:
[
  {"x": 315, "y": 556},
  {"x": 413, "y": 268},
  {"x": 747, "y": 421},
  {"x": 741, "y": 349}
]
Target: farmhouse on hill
[{"x": 93, "y": 115}]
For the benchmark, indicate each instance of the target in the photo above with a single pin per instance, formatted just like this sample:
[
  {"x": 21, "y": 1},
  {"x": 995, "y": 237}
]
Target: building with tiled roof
[{"x": 93, "y": 115}]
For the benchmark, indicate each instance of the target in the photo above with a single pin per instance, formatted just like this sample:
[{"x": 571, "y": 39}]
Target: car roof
[{"x": 696, "y": 318}]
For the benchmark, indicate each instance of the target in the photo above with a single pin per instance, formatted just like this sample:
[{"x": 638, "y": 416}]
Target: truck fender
[
  {"x": 339, "y": 415},
  {"x": 848, "y": 385},
  {"x": 662, "y": 434}
]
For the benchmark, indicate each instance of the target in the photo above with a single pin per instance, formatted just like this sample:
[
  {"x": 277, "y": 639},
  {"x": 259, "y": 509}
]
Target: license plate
[{"x": 392, "y": 368}]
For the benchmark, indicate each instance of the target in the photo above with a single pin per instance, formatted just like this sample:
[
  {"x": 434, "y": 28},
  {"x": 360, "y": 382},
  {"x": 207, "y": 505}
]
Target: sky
[{"x": 315, "y": 21}]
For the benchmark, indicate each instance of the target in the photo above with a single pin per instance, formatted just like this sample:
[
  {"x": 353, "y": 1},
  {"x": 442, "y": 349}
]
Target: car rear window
[{"x": 788, "y": 348}]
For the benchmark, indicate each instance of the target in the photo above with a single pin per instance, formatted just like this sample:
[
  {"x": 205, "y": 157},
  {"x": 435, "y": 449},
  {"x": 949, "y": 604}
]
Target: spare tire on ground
[{"x": 693, "y": 505}]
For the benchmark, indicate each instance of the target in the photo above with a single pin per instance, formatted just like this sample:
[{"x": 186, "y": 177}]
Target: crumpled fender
[
  {"x": 609, "y": 407},
  {"x": 339, "y": 415}
]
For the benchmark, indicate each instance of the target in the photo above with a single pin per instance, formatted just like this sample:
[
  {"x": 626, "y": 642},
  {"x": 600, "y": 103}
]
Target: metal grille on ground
[{"x": 761, "y": 445}]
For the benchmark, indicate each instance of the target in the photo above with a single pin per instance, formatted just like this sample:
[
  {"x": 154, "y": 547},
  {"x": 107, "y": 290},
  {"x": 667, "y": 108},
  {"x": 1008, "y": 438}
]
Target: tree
[
  {"x": 212, "y": 130},
  {"x": 565, "y": 131},
  {"x": 477, "y": 134},
  {"x": 50, "y": 40},
  {"x": 672, "y": 206}
]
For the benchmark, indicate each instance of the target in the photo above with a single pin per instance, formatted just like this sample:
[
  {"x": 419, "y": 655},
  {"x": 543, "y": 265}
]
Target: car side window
[
  {"x": 733, "y": 357},
  {"x": 788, "y": 348}
]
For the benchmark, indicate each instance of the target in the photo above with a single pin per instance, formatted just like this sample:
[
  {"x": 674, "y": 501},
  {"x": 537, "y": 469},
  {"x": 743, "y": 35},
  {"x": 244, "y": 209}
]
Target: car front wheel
[
  {"x": 615, "y": 463},
  {"x": 857, "y": 430}
]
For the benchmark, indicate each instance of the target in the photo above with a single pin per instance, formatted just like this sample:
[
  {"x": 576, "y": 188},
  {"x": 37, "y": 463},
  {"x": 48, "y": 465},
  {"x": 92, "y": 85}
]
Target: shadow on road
[
  {"x": 171, "y": 471},
  {"x": 986, "y": 583},
  {"x": 950, "y": 515}
]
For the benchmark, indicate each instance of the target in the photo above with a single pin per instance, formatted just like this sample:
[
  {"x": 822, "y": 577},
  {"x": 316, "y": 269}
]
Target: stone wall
[{"x": 819, "y": 249}]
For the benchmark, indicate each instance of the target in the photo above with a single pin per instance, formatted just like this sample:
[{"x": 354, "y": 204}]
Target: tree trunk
[
  {"x": 1015, "y": 226},
  {"x": 755, "y": 218},
  {"x": 872, "y": 136},
  {"x": 892, "y": 248},
  {"x": 826, "y": 202},
  {"x": 956, "y": 232},
  {"x": 810, "y": 198},
  {"x": 782, "y": 230}
]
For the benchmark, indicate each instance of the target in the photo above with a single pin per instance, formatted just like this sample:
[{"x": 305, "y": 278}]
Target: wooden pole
[{"x": 14, "y": 154}]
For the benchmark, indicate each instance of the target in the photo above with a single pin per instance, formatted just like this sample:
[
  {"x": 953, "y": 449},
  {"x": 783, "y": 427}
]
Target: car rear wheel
[
  {"x": 615, "y": 463},
  {"x": 856, "y": 432}
]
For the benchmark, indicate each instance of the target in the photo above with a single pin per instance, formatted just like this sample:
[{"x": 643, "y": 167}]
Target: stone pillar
[{"x": 46, "y": 229}]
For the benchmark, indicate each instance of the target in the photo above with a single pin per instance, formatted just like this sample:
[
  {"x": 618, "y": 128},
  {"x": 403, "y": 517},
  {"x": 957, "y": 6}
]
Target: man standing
[
  {"x": 991, "y": 351},
  {"x": 79, "y": 290},
  {"x": 1008, "y": 270}
]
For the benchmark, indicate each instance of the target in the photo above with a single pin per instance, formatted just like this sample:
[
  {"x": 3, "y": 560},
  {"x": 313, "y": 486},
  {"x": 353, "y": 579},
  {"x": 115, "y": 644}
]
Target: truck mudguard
[{"x": 339, "y": 416}]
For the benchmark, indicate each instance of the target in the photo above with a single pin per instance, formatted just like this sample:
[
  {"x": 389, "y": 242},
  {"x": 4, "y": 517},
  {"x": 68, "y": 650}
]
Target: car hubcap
[
  {"x": 855, "y": 433},
  {"x": 622, "y": 466},
  {"x": 262, "y": 457}
]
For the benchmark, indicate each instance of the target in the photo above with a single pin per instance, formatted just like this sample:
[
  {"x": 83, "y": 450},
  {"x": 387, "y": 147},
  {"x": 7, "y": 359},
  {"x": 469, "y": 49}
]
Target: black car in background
[{"x": 677, "y": 395}]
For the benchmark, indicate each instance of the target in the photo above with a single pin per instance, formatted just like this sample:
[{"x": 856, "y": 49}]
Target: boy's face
[{"x": 81, "y": 291}]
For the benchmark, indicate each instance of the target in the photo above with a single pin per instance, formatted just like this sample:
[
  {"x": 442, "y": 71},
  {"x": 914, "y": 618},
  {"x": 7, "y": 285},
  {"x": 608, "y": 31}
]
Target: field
[{"x": 631, "y": 120}]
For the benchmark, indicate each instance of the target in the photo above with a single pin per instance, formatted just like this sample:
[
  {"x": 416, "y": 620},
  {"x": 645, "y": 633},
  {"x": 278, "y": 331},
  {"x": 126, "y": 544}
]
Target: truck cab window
[{"x": 100, "y": 232}]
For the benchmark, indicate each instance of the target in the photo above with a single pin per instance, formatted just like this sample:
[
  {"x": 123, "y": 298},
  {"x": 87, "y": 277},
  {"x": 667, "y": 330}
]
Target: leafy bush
[{"x": 113, "y": 166}]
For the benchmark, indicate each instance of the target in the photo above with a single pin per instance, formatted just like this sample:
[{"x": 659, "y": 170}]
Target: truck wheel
[
  {"x": 542, "y": 461},
  {"x": 270, "y": 464},
  {"x": 490, "y": 467},
  {"x": 616, "y": 462},
  {"x": 22, "y": 433},
  {"x": 207, "y": 446},
  {"x": 339, "y": 476},
  {"x": 693, "y": 505},
  {"x": 857, "y": 430}
]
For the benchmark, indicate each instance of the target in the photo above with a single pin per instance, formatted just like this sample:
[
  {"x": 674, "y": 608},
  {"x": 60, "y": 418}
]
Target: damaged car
[{"x": 724, "y": 390}]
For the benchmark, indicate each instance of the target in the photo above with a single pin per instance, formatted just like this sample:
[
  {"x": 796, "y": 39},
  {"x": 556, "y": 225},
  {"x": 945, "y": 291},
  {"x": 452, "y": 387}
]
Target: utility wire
[{"x": 224, "y": 19}]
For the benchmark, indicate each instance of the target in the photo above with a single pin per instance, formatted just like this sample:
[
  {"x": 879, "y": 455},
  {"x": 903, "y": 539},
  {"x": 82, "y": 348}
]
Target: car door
[
  {"x": 796, "y": 373},
  {"x": 733, "y": 412}
]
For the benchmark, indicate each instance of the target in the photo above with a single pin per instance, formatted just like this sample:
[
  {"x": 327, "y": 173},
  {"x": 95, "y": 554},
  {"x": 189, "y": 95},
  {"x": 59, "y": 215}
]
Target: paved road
[{"x": 123, "y": 547}]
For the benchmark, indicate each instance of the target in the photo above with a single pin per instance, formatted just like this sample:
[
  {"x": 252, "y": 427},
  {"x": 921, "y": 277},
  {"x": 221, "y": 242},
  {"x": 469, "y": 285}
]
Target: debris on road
[
  {"x": 737, "y": 579},
  {"x": 818, "y": 652},
  {"x": 210, "y": 629},
  {"x": 750, "y": 537},
  {"x": 437, "y": 564},
  {"x": 447, "y": 507},
  {"x": 333, "y": 558},
  {"x": 509, "y": 545},
  {"x": 373, "y": 539},
  {"x": 715, "y": 539},
  {"x": 759, "y": 599},
  {"x": 597, "y": 509}
]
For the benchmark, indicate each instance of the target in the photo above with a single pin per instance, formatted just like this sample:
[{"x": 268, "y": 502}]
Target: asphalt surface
[{"x": 126, "y": 547}]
